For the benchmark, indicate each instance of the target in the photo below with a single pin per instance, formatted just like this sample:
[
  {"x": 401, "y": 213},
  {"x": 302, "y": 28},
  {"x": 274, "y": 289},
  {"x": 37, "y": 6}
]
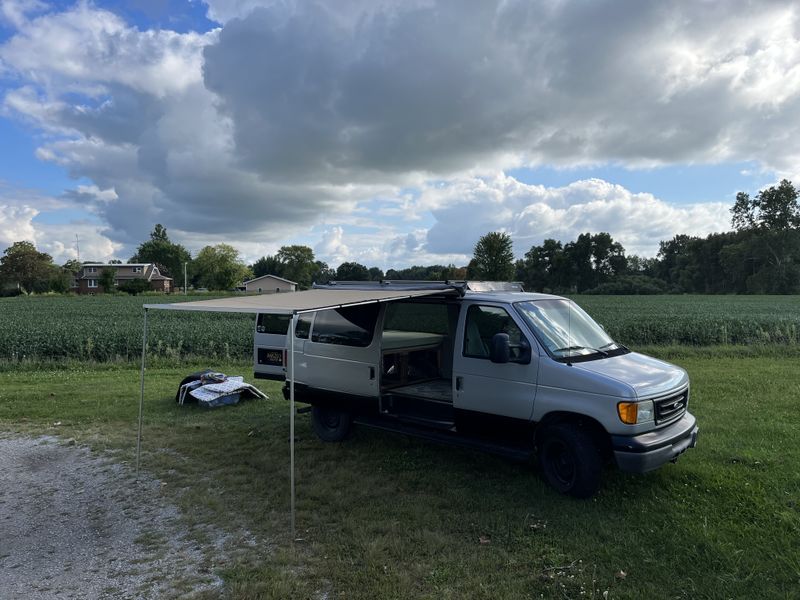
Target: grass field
[
  {"x": 104, "y": 328},
  {"x": 384, "y": 516}
]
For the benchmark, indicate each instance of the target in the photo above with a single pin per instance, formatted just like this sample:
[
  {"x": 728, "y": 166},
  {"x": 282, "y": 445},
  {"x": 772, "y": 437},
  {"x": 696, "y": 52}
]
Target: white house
[{"x": 269, "y": 284}]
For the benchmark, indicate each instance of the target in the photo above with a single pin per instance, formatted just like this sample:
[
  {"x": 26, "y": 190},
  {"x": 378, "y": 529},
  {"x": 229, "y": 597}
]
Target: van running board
[{"x": 516, "y": 453}]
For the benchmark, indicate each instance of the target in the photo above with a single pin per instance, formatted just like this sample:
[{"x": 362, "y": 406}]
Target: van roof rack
[
  {"x": 495, "y": 286},
  {"x": 408, "y": 284}
]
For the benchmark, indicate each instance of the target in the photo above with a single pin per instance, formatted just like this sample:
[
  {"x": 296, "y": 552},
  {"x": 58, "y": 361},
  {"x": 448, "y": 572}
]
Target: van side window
[
  {"x": 277, "y": 324},
  {"x": 352, "y": 326},
  {"x": 482, "y": 323},
  {"x": 303, "y": 327}
]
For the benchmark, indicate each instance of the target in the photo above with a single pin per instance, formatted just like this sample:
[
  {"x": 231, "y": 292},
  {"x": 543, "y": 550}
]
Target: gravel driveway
[{"x": 75, "y": 525}]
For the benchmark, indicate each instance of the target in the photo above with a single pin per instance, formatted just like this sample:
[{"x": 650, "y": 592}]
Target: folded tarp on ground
[{"x": 217, "y": 389}]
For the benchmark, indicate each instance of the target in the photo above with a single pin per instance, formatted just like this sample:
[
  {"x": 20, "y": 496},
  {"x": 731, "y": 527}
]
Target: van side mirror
[{"x": 500, "y": 351}]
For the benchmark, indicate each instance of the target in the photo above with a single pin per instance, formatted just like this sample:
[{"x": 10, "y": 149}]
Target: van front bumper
[{"x": 648, "y": 451}]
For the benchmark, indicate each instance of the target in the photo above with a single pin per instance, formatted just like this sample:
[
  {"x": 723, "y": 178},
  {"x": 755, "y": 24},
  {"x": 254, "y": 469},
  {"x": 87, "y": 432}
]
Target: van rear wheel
[
  {"x": 569, "y": 460},
  {"x": 330, "y": 424}
]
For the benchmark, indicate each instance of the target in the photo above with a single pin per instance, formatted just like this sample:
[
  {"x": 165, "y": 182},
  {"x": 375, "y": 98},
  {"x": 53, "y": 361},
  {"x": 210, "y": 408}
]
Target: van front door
[{"x": 482, "y": 388}]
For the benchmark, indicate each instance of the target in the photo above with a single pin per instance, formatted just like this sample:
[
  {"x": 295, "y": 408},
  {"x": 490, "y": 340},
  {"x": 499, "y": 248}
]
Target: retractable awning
[
  {"x": 290, "y": 303},
  {"x": 299, "y": 302}
]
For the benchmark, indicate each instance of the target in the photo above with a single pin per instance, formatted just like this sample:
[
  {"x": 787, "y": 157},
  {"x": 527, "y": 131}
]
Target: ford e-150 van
[{"x": 481, "y": 365}]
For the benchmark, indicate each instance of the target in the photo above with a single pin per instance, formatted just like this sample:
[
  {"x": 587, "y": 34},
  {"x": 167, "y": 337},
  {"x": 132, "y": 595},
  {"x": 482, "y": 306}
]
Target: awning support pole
[
  {"x": 141, "y": 394},
  {"x": 291, "y": 415}
]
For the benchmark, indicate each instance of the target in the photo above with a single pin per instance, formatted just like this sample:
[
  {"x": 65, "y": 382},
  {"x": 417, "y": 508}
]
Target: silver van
[{"x": 481, "y": 365}]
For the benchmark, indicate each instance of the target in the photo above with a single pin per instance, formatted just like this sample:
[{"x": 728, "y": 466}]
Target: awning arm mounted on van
[{"x": 396, "y": 285}]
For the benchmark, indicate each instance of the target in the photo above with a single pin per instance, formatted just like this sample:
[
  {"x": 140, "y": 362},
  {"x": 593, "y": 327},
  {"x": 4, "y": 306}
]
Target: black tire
[
  {"x": 569, "y": 460},
  {"x": 330, "y": 424}
]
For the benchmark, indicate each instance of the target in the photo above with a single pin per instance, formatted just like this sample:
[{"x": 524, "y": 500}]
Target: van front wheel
[
  {"x": 330, "y": 424},
  {"x": 569, "y": 460}
]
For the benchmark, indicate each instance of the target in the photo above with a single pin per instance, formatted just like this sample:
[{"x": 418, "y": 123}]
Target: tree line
[{"x": 761, "y": 254}]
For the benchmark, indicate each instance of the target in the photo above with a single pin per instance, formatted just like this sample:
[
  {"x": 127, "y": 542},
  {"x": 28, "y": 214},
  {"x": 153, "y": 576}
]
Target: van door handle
[
  {"x": 372, "y": 373},
  {"x": 459, "y": 383}
]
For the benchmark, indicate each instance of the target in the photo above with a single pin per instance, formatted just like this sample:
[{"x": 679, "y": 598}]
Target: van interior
[{"x": 417, "y": 348}]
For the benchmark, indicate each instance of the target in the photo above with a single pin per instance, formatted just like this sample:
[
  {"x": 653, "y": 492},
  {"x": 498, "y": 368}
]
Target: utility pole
[
  {"x": 78, "y": 247},
  {"x": 185, "y": 280}
]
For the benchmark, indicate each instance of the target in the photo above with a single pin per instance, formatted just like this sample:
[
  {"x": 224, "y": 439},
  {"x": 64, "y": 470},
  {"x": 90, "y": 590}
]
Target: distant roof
[{"x": 270, "y": 276}]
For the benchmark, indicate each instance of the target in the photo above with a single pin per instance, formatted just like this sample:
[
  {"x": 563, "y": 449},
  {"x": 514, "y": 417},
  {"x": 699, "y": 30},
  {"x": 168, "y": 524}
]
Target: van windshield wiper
[{"x": 594, "y": 350}]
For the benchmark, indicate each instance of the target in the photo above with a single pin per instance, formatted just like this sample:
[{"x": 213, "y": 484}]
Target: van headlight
[{"x": 633, "y": 413}]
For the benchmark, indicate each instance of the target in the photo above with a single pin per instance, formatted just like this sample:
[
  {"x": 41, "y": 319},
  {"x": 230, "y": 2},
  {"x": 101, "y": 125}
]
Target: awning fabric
[{"x": 297, "y": 302}]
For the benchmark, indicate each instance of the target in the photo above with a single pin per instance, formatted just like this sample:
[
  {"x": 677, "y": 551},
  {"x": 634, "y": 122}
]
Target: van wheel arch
[
  {"x": 592, "y": 427},
  {"x": 569, "y": 453}
]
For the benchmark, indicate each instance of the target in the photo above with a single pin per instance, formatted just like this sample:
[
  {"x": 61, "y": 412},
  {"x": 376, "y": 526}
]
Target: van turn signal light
[{"x": 628, "y": 412}]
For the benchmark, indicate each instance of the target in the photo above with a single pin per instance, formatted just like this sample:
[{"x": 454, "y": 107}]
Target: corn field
[
  {"x": 105, "y": 328},
  {"x": 697, "y": 320}
]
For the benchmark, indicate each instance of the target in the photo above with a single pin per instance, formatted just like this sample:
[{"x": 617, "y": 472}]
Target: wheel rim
[
  {"x": 331, "y": 419},
  {"x": 561, "y": 463}
]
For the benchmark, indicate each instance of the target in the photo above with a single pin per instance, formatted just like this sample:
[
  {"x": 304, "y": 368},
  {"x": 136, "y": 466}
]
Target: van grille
[{"x": 671, "y": 408}]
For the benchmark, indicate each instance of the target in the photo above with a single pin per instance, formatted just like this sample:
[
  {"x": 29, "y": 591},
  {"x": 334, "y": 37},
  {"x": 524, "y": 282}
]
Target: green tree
[
  {"x": 62, "y": 276},
  {"x": 640, "y": 265},
  {"x": 428, "y": 273},
  {"x": 159, "y": 233},
  {"x": 544, "y": 267},
  {"x": 72, "y": 266},
  {"x": 773, "y": 209},
  {"x": 219, "y": 268},
  {"x": 106, "y": 279},
  {"x": 772, "y": 222},
  {"x": 134, "y": 286},
  {"x": 169, "y": 256},
  {"x": 267, "y": 265},
  {"x": 26, "y": 268},
  {"x": 298, "y": 264},
  {"x": 352, "y": 271},
  {"x": 493, "y": 258},
  {"x": 322, "y": 272}
]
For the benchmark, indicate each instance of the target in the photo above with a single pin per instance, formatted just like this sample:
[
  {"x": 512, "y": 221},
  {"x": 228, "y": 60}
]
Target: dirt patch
[{"x": 75, "y": 525}]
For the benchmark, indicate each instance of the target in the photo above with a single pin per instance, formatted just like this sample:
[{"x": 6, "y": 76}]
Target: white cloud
[
  {"x": 19, "y": 210},
  {"x": 85, "y": 47},
  {"x": 223, "y": 11},
  {"x": 15, "y": 224},
  {"x": 465, "y": 209},
  {"x": 502, "y": 82},
  {"x": 59, "y": 241},
  {"x": 331, "y": 245},
  {"x": 15, "y": 12},
  {"x": 295, "y": 117}
]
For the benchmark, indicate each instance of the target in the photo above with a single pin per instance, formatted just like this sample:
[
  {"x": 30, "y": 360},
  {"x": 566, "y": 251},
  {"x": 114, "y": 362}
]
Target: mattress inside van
[{"x": 396, "y": 340}]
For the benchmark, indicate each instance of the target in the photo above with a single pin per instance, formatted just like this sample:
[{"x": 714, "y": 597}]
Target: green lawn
[{"x": 387, "y": 516}]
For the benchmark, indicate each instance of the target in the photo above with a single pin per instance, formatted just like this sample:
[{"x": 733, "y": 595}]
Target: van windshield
[{"x": 566, "y": 330}]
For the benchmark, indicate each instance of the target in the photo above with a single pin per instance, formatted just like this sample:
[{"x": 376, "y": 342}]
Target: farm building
[
  {"x": 269, "y": 284},
  {"x": 87, "y": 280}
]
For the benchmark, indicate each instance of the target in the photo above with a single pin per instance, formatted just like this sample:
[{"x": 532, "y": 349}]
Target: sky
[{"x": 387, "y": 132}]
